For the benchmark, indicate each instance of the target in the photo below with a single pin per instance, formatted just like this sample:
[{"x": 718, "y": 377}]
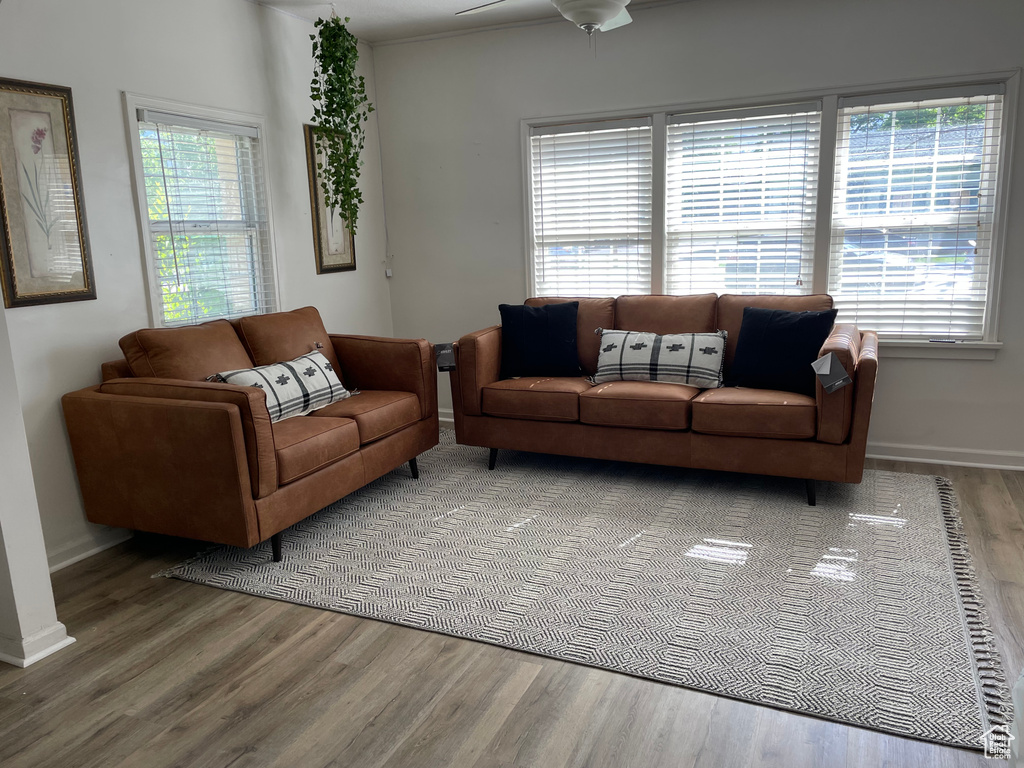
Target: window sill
[{"x": 929, "y": 350}]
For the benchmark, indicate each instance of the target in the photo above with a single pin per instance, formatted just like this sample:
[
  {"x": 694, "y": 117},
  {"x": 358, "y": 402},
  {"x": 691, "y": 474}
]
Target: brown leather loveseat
[
  {"x": 160, "y": 449},
  {"x": 735, "y": 429}
]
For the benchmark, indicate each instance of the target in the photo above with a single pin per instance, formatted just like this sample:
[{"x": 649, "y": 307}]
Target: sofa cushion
[
  {"x": 305, "y": 444},
  {"x": 730, "y": 314},
  {"x": 191, "y": 353},
  {"x": 777, "y": 347},
  {"x": 638, "y": 404},
  {"x": 592, "y": 314},
  {"x": 681, "y": 358},
  {"x": 294, "y": 388},
  {"x": 535, "y": 397},
  {"x": 377, "y": 413},
  {"x": 666, "y": 314},
  {"x": 742, "y": 412},
  {"x": 283, "y": 336},
  {"x": 539, "y": 341}
]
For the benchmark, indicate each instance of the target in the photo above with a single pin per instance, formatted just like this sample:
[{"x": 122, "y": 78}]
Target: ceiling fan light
[{"x": 590, "y": 13}]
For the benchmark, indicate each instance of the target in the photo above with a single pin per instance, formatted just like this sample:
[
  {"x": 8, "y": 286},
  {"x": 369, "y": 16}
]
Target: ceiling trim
[{"x": 282, "y": 11}]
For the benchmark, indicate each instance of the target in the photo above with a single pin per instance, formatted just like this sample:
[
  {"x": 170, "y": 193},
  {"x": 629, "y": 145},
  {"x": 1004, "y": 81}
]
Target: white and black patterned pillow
[
  {"x": 294, "y": 388},
  {"x": 681, "y": 358}
]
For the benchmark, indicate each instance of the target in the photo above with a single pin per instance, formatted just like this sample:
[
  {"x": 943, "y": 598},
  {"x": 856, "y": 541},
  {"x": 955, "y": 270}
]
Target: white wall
[
  {"x": 450, "y": 112},
  {"x": 29, "y": 629},
  {"x": 229, "y": 54}
]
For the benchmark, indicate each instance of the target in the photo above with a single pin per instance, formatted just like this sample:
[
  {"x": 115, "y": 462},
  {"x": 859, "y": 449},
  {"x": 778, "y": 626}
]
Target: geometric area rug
[{"x": 863, "y": 610}]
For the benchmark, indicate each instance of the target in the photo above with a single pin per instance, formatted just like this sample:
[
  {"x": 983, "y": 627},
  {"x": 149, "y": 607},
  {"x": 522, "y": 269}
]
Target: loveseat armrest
[
  {"x": 251, "y": 402},
  {"x": 478, "y": 364},
  {"x": 398, "y": 365},
  {"x": 835, "y": 410},
  {"x": 169, "y": 466}
]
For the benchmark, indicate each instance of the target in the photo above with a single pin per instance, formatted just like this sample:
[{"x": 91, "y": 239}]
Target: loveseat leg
[
  {"x": 812, "y": 499},
  {"x": 275, "y": 546},
  {"x": 493, "y": 458},
  {"x": 414, "y": 468}
]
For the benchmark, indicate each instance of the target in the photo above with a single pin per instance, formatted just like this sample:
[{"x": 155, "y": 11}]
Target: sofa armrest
[
  {"x": 402, "y": 365},
  {"x": 251, "y": 402},
  {"x": 478, "y": 364},
  {"x": 863, "y": 396},
  {"x": 175, "y": 467},
  {"x": 835, "y": 410}
]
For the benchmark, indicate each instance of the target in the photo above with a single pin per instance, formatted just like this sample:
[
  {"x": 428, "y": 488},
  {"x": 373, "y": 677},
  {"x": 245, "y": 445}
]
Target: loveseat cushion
[
  {"x": 535, "y": 397},
  {"x": 294, "y": 388},
  {"x": 591, "y": 315},
  {"x": 638, "y": 404},
  {"x": 305, "y": 444},
  {"x": 666, "y": 314},
  {"x": 282, "y": 336},
  {"x": 742, "y": 412},
  {"x": 191, "y": 353},
  {"x": 377, "y": 413}
]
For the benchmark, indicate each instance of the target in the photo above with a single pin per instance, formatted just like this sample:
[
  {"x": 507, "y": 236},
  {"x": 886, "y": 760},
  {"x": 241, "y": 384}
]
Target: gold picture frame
[
  {"x": 44, "y": 245},
  {"x": 333, "y": 241}
]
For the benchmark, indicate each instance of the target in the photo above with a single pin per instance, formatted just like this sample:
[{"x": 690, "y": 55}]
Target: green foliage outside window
[
  {"x": 192, "y": 268},
  {"x": 910, "y": 119}
]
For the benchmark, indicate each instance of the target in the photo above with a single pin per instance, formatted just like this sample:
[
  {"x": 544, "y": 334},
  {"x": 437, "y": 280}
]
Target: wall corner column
[{"x": 29, "y": 630}]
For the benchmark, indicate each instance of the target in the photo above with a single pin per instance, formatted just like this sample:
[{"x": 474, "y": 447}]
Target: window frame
[
  {"x": 132, "y": 104},
  {"x": 1009, "y": 80}
]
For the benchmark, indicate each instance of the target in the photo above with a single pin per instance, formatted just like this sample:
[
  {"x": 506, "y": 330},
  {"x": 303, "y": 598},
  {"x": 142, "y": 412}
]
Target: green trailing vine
[{"x": 340, "y": 107}]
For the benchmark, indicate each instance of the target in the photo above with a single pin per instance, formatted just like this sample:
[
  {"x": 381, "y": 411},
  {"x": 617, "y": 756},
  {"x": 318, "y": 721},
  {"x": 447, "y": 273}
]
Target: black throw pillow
[
  {"x": 776, "y": 347},
  {"x": 539, "y": 341}
]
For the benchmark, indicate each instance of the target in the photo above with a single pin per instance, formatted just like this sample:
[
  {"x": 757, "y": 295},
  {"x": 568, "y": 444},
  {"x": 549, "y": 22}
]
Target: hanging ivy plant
[{"x": 340, "y": 108}]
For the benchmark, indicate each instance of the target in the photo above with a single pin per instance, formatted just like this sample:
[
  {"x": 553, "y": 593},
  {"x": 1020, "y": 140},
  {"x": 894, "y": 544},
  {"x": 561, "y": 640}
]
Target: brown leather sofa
[
  {"x": 159, "y": 449},
  {"x": 735, "y": 429}
]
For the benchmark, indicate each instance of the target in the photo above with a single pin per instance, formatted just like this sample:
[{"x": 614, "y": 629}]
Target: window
[
  {"x": 592, "y": 210},
  {"x": 913, "y": 214},
  {"x": 890, "y": 202},
  {"x": 741, "y": 200},
  {"x": 205, "y": 216}
]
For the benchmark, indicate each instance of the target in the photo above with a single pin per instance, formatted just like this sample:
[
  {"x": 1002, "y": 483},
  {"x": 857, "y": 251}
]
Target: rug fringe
[{"x": 995, "y": 691}]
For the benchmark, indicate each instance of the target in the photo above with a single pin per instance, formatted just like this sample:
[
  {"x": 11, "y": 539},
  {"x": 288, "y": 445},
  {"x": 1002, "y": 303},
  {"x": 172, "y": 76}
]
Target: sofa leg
[
  {"x": 414, "y": 468},
  {"x": 493, "y": 458},
  {"x": 275, "y": 546},
  {"x": 812, "y": 498}
]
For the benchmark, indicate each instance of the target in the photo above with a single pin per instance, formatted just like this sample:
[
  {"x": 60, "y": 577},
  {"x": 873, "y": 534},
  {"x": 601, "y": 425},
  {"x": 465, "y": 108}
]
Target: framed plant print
[
  {"x": 334, "y": 244},
  {"x": 44, "y": 245}
]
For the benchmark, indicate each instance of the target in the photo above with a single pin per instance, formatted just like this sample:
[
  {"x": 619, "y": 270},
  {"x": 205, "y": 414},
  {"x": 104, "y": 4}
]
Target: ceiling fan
[{"x": 589, "y": 15}]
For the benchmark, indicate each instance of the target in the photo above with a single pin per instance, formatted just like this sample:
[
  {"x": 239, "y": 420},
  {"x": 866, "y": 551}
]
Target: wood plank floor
[{"x": 166, "y": 673}]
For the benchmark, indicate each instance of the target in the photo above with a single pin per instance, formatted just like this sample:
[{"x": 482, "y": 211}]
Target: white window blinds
[
  {"x": 207, "y": 217},
  {"x": 913, "y": 214},
  {"x": 741, "y": 200},
  {"x": 591, "y": 195}
]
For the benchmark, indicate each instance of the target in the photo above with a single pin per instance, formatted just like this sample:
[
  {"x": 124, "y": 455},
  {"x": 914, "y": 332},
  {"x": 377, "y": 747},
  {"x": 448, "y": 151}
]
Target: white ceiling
[{"x": 378, "y": 21}]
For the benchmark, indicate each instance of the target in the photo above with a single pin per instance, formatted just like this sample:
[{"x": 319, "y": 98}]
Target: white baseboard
[
  {"x": 87, "y": 546},
  {"x": 22, "y": 653},
  {"x": 957, "y": 457},
  {"x": 446, "y": 418}
]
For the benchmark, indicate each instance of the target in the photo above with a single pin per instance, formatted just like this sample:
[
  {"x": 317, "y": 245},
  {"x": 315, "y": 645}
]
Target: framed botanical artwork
[
  {"x": 44, "y": 246},
  {"x": 334, "y": 244}
]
